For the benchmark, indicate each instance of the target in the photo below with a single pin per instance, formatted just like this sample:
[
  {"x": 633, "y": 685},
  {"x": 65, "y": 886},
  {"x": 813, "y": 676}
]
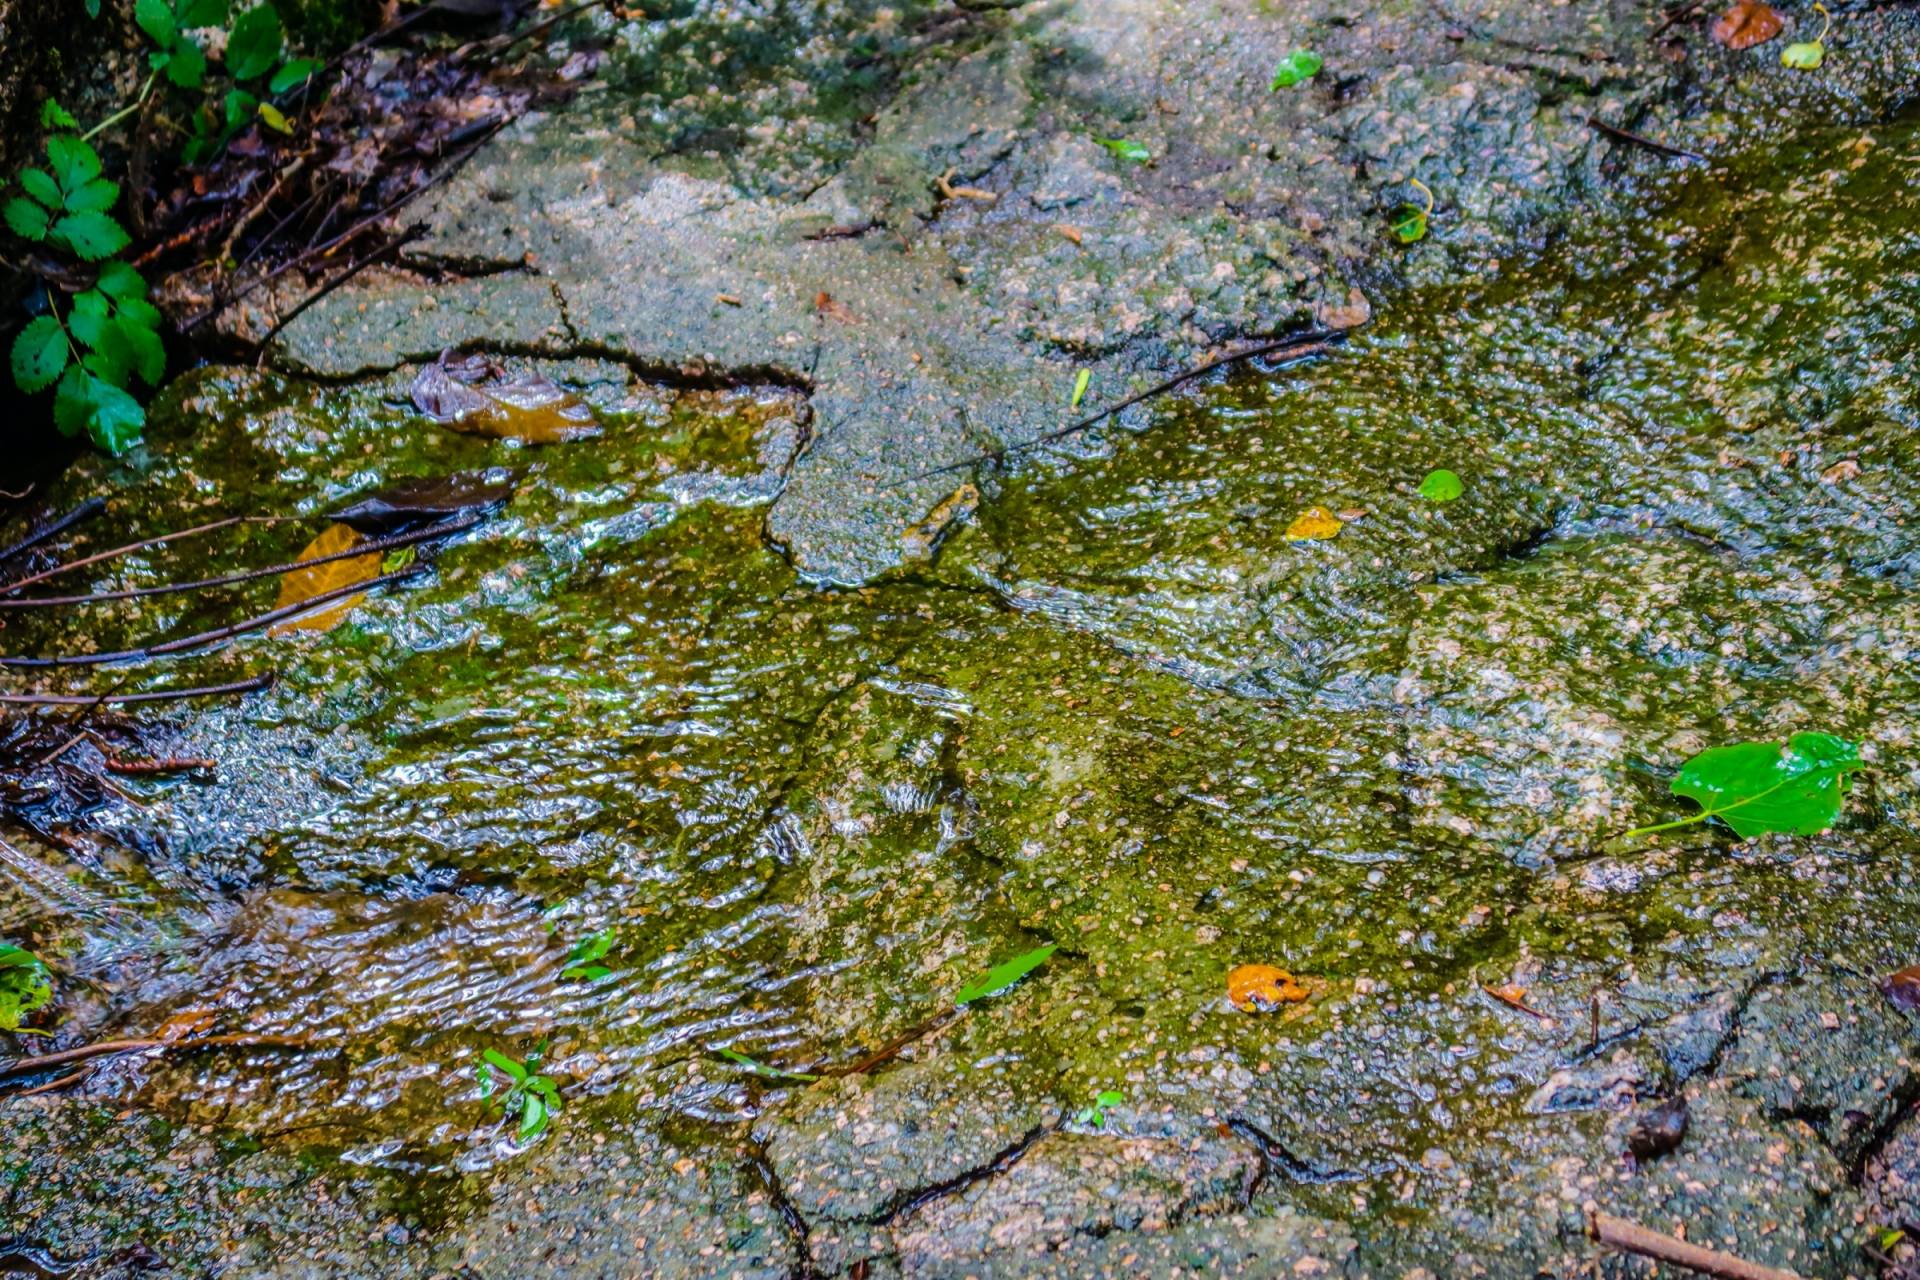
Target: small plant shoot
[
  {"x": 1441, "y": 485},
  {"x": 1297, "y": 67},
  {"x": 25, "y": 985},
  {"x": 583, "y": 957},
  {"x": 1095, "y": 1116},
  {"x": 1126, "y": 149},
  {"x": 534, "y": 1096},
  {"x": 1762, "y": 787},
  {"x": 1809, "y": 54},
  {"x": 1004, "y": 975},
  {"x": 1410, "y": 220},
  {"x": 1080, "y": 384}
]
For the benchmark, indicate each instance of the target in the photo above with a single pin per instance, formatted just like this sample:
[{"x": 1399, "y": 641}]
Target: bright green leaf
[
  {"x": 1804, "y": 56},
  {"x": 1758, "y": 787},
  {"x": 155, "y": 17},
  {"x": 1126, "y": 149},
  {"x": 55, "y": 116},
  {"x": 762, "y": 1069},
  {"x": 187, "y": 68},
  {"x": 25, "y": 218},
  {"x": 292, "y": 74},
  {"x": 1004, "y": 975},
  {"x": 39, "y": 354},
  {"x": 89, "y": 317},
  {"x": 253, "y": 46},
  {"x": 122, "y": 283},
  {"x": 73, "y": 401},
  {"x": 1301, "y": 64},
  {"x": 505, "y": 1065},
  {"x": 25, "y": 985},
  {"x": 533, "y": 1115},
  {"x": 116, "y": 419},
  {"x": 1409, "y": 224},
  {"x": 1441, "y": 485},
  {"x": 41, "y": 186},
  {"x": 1080, "y": 384},
  {"x": 92, "y": 235},
  {"x": 275, "y": 118},
  {"x": 148, "y": 353},
  {"x": 93, "y": 197},
  {"x": 73, "y": 162}
]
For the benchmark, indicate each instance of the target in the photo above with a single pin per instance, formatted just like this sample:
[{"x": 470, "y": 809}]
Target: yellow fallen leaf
[
  {"x": 305, "y": 584},
  {"x": 1254, "y": 987},
  {"x": 1314, "y": 523}
]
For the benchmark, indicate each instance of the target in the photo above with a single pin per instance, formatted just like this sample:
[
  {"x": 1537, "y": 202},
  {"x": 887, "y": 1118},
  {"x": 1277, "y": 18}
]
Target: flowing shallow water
[{"x": 1117, "y": 710}]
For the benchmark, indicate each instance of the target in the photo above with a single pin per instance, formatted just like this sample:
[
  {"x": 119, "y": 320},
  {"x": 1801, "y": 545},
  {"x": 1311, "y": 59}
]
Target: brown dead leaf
[
  {"x": 1255, "y": 988},
  {"x": 478, "y": 396},
  {"x": 1902, "y": 988},
  {"x": 829, "y": 308},
  {"x": 1746, "y": 24},
  {"x": 1068, "y": 231},
  {"x": 1845, "y": 469},
  {"x": 728, "y": 299},
  {"x": 305, "y": 584},
  {"x": 1514, "y": 996}
]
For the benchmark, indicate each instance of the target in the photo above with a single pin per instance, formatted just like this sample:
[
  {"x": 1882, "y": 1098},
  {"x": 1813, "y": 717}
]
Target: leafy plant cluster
[
  {"x": 534, "y": 1096},
  {"x": 110, "y": 334}
]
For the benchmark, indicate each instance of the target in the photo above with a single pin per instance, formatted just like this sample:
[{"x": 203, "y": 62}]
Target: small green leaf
[
  {"x": 116, "y": 418},
  {"x": 93, "y": 197},
  {"x": 1441, "y": 485},
  {"x": 25, "y": 985},
  {"x": 533, "y": 1115},
  {"x": 73, "y": 401},
  {"x": 239, "y": 105},
  {"x": 155, "y": 17},
  {"x": 121, "y": 282},
  {"x": 762, "y": 1069},
  {"x": 487, "y": 1085},
  {"x": 148, "y": 353},
  {"x": 91, "y": 236},
  {"x": 39, "y": 354},
  {"x": 253, "y": 46},
  {"x": 293, "y": 73},
  {"x": 1301, "y": 64},
  {"x": 1409, "y": 224},
  {"x": 275, "y": 118},
  {"x": 73, "y": 162},
  {"x": 1004, "y": 975},
  {"x": 1126, "y": 149},
  {"x": 25, "y": 218},
  {"x": 583, "y": 953},
  {"x": 55, "y": 116},
  {"x": 1804, "y": 56},
  {"x": 89, "y": 317},
  {"x": 187, "y": 68},
  {"x": 1080, "y": 383},
  {"x": 93, "y": 8},
  {"x": 1759, "y": 787},
  {"x": 41, "y": 186},
  {"x": 505, "y": 1065}
]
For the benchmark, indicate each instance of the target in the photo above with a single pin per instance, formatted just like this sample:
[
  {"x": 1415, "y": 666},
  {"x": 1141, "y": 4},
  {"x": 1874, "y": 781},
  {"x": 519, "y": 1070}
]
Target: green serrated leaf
[
  {"x": 55, "y": 116},
  {"x": 40, "y": 352},
  {"x": 116, "y": 420},
  {"x": 187, "y": 68},
  {"x": 91, "y": 235},
  {"x": 1441, "y": 485},
  {"x": 202, "y": 13},
  {"x": 72, "y": 401},
  {"x": 1126, "y": 149},
  {"x": 25, "y": 218},
  {"x": 239, "y": 105},
  {"x": 253, "y": 46},
  {"x": 121, "y": 282},
  {"x": 89, "y": 317},
  {"x": 292, "y": 73},
  {"x": 148, "y": 352},
  {"x": 25, "y": 985},
  {"x": 1004, "y": 975},
  {"x": 1301, "y": 64},
  {"x": 1760, "y": 787},
  {"x": 155, "y": 17},
  {"x": 93, "y": 197},
  {"x": 762, "y": 1069},
  {"x": 40, "y": 185},
  {"x": 73, "y": 162}
]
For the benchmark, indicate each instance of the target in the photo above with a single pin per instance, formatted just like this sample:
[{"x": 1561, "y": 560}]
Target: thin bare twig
[
  {"x": 353, "y": 269},
  {"x": 1631, "y": 1237},
  {"x": 161, "y": 695},
  {"x": 373, "y": 547},
  {"x": 91, "y": 507},
  {"x": 112, "y": 552},
  {"x": 1628, "y": 135},
  {"x": 80, "y": 1053}
]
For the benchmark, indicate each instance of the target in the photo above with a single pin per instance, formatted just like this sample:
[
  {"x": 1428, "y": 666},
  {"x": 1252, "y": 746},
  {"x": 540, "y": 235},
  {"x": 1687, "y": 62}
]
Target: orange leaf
[
  {"x": 1748, "y": 23},
  {"x": 1514, "y": 996},
  {"x": 305, "y": 584},
  {"x": 1312, "y": 524},
  {"x": 1255, "y": 987}
]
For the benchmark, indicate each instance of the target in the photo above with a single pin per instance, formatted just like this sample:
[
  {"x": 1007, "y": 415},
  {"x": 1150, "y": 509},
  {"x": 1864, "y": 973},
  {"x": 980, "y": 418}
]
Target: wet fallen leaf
[
  {"x": 1312, "y": 524},
  {"x": 1514, "y": 997},
  {"x": 1746, "y": 24},
  {"x": 1441, "y": 486},
  {"x": 477, "y": 396},
  {"x": 1659, "y": 1130},
  {"x": 1902, "y": 988},
  {"x": 1759, "y": 787},
  {"x": 1351, "y": 314},
  {"x": 1807, "y": 55},
  {"x": 1004, "y": 975},
  {"x": 428, "y": 499},
  {"x": 825, "y": 304},
  {"x": 305, "y": 584},
  {"x": 1257, "y": 987}
]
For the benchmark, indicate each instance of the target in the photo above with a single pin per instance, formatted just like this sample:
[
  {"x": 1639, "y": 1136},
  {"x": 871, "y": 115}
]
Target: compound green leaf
[
  {"x": 148, "y": 353},
  {"x": 73, "y": 162},
  {"x": 25, "y": 218},
  {"x": 202, "y": 13},
  {"x": 93, "y": 197},
  {"x": 116, "y": 418},
  {"x": 55, "y": 116},
  {"x": 39, "y": 354},
  {"x": 91, "y": 235},
  {"x": 253, "y": 46},
  {"x": 292, "y": 74},
  {"x": 187, "y": 68}
]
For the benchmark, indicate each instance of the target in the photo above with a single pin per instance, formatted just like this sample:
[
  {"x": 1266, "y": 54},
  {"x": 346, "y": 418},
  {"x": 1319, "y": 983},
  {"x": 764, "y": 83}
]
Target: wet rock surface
[{"x": 1106, "y": 704}]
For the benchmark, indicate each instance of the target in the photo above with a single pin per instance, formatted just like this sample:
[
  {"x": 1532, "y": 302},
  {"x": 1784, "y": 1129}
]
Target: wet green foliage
[
  {"x": 1298, "y": 66},
  {"x": 1004, "y": 975},
  {"x": 760, "y": 1068},
  {"x": 534, "y": 1096},
  {"x": 1080, "y": 383},
  {"x": 1807, "y": 55},
  {"x": 25, "y": 985},
  {"x": 1761, "y": 787},
  {"x": 1441, "y": 485},
  {"x": 582, "y": 959},
  {"x": 1096, "y": 1115},
  {"x": 1126, "y": 149}
]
